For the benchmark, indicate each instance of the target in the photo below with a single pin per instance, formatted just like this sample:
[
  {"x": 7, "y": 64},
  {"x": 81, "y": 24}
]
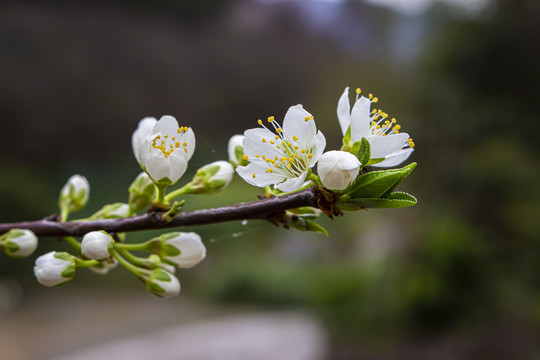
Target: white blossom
[
  {"x": 54, "y": 268},
  {"x": 338, "y": 169},
  {"x": 95, "y": 245},
  {"x": 163, "y": 149},
  {"x": 282, "y": 160},
  {"x": 184, "y": 250},
  {"x": 388, "y": 146},
  {"x": 235, "y": 150},
  {"x": 162, "y": 283},
  {"x": 20, "y": 243}
]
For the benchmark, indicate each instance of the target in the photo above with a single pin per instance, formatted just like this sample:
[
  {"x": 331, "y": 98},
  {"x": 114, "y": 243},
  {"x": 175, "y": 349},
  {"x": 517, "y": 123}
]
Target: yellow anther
[
  {"x": 393, "y": 120},
  {"x": 245, "y": 157},
  {"x": 277, "y": 137},
  {"x": 257, "y": 156},
  {"x": 310, "y": 156},
  {"x": 185, "y": 149},
  {"x": 378, "y": 127},
  {"x": 296, "y": 147},
  {"x": 396, "y": 132},
  {"x": 303, "y": 151},
  {"x": 173, "y": 138},
  {"x": 396, "y": 127},
  {"x": 165, "y": 136},
  {"x": 358, "y": 91},
  {"x": 380, "y": 112},
  {"x": 375, "y": 100},
  {"x": 385, "y": 115},
  {"x": 271, "y": 142},
  {"x": 157, "y": 137},
  {"x": 370, "y": 96},
  {"x": 270, "y": 119},
  {"x": 270, "y": 171},
  {"x": 277, "y": 146},
  {"x": 374, "y": 111},
  {"x": 278, "y": 130},
  {"x": 375, "y": 117},
  {"x": 171, "y": 146},
  {"x": 295, "y": 138},
  {"x": 177, "y": 144},
  {"x": 253, "y": 175},
  {"x": 184, "y": 144},
  {"x": 263, "y": 140},
  {"x": 259, "y": 122}
]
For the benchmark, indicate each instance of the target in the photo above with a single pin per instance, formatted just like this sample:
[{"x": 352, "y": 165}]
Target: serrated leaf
[
  {"x": 376, "y": 184},
  {"x": 393, "y": 201},
  {"x": 364, "y": 153}
]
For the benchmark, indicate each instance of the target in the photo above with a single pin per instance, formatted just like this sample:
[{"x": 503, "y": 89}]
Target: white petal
[
  {"x": 261, "y": 179},
  {"x": 344, "y": 111},
  {"x": 320, "y": 144},
  {"x": 382, "y": 146},
  {"x": 144, "y": 129},
  {"x": 178, "y": 160},
  {"x": 253, "y": 144},
  {"x": 360, "y": 119},
  {"x": 234, "y": 142},
  {"x": 189, "y": 137},
  {"x": 292, "y": 184},
  {"x": 395, "y": 158},
  {"x": 156, "y": 165},
  {"x": 295, "y": 124},
  {"x": 166, "y": 125}
]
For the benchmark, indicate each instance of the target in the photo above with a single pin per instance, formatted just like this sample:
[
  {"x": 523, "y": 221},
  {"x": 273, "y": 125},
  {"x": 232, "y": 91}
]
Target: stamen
[{"x": 245, "y": 157}]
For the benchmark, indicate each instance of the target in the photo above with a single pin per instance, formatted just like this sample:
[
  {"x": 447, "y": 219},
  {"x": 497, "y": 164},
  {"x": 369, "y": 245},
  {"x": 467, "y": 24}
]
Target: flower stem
[
  {"x": 73, "y": 242},
  {"x": 186, "y": 189},
  {"x": 132, "y": 247},
  {"x": 137, "y": 271}
]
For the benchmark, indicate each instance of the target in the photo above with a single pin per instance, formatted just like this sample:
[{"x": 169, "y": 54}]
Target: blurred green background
[{"x": 462, "y": 77}]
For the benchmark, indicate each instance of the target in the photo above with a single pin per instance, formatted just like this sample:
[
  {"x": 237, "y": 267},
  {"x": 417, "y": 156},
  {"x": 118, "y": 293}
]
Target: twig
[{"x": 261, "y": 209}]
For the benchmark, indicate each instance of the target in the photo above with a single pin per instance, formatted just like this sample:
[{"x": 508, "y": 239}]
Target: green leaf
[
  {"x": 364, "y": 153},
  {"x": 347, "y": 138},
  {"x": 376, "y": 184},
  {"x": 394, "y": 200},
  {"x": 313, "y": 226}
]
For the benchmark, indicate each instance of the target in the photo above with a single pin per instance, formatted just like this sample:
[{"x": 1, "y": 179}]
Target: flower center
[
  {"x": 380, "y": 125},
  {"x": 168, "y": 144},
  {"x": 285, "y": 156}
]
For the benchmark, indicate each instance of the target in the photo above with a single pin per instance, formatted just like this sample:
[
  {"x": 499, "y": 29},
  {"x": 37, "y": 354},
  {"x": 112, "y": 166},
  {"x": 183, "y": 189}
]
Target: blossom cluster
[{"x": 279, "y": 158}]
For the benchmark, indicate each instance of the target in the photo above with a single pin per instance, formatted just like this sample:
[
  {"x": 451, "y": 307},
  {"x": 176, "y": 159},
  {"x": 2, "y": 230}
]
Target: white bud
[
  {"x": 212, "y": 178},
  {"x": 54, "y": 268},
  {"x": 184, "y": 250},
  {"x": 104, "y": 266},
  {"x": 338, "y": 169},
  {"x": 19, "y": 243},
  {"x": 162, "y": 283},
  {"x": 235, "y": 149},
  {"x": 74, "y": 194},
  {"x": 95, "y": 245}
]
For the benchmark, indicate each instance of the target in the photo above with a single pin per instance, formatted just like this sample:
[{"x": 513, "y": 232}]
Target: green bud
[
  {"x": 141, "y": 192},
  {"x": 212, "y": 178},
  {"x": 74, "y": 194}
]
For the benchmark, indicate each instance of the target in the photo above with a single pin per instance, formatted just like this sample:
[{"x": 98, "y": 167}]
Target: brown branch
[{"x": 252, "y": 210}]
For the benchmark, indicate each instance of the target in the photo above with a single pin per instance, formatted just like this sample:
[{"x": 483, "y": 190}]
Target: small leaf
[
  {"x": 313, "y": 226},
  {"x": 377, "y": 184},
  {"x": 393, "y": 201},
  {"x": 364, "y": 153},
  {"x": 347, "y": 137}
]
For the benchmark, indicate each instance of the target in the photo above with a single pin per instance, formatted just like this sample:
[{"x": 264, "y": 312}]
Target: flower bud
[
  {"x": 162, "y": 283},
  {"x": 141, "y": 192},
  {"x": 235, "y": 150},
  {"x": 184, "y": 250},
  {"x": 104, "y": 266},
  {"x": 96, "y": 244},
  {"x": 212, "y": 178},
  {"x": 74, "y": 195},
  {"x": 54, "y": 268},
  {"x": 19, "y": 243},
  {"x": 112, "y": 211},
  {"x": 338, "y": 169}
]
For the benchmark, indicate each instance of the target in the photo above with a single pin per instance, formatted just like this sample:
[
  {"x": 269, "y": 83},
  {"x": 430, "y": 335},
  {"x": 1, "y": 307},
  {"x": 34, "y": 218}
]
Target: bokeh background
[{"x": 455, "y": 277}]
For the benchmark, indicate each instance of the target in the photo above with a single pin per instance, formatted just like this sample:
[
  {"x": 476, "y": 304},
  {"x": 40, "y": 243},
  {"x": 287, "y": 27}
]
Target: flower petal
[
  {"x": 144, "y": 129},
  {"x": 395, "y": 158},
  {"x": 178, "y": 161},
  {"x": 295, "y": 124},
  {"x": 189, "y": 138},
  {"x": 261, "y": 179},
  {"x": 360, "y": 119},
  {"x": 155, "y": 164},
  {"x": 320, "y": 144},
  {"x": 254, "y": 145},
  {"x": 344, "y": 111},
  {"x": 166, "y": 125},
  {"x": 382, "y": 146},
  {"x": 292, "y": 184}
]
